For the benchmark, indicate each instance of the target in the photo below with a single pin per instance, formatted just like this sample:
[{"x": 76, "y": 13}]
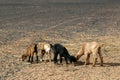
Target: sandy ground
[{"x": 69, "y": 23}]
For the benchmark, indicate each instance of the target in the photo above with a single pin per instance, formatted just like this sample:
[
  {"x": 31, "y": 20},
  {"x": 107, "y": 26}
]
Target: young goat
[
  {"x": 90, "y": 48},
  {"x": 30, "y": 53},
  {"x": 62, "y": 51},
  {"x": 45, "y": 49}
]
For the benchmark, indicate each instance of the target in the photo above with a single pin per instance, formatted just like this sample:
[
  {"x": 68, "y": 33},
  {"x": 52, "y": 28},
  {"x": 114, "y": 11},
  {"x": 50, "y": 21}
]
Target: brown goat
[
  {"x": 90, "y": 48},
  {"x": 45, "y": 49},
  {"x": 30, "y": 53}
]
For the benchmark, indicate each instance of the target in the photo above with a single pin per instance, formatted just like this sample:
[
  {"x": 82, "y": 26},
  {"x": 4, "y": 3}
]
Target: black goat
[{"x": 58, "y": 49}]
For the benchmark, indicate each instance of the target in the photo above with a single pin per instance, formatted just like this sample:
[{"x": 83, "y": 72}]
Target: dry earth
[{"x": 69, "y": 23}]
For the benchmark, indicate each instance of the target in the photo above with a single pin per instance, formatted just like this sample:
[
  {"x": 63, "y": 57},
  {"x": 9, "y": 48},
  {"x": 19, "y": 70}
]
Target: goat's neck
[{"x": 80, "y": 53}]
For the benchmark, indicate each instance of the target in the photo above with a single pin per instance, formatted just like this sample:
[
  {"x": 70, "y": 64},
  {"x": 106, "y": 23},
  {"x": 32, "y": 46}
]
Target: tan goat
[
  {"x": 90, "y": 48},
  {"x": 45, "y": 49},
  {"x": 30, "y": 53}
]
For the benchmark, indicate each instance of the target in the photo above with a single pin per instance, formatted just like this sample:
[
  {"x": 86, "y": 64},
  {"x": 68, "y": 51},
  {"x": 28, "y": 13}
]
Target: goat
[
  {"x": 30, "y": 53},
  {"x": 45, "y": 49},
  {"x": 90, "y": 48},
  {"x": 58, "y": 49}
]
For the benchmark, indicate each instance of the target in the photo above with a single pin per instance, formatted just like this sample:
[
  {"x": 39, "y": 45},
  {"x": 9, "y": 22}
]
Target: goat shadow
[
  {"x": 111, "y": 64},
  {"x": 79, "y": 63},
  {"x": 104, "y": 64}
]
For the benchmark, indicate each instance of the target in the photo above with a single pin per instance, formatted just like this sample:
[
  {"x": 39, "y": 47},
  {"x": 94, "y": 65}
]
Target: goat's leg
[
  {"x": 101, "y": 59},
  {"x": 60, "y": 59},
  {"x": 32, "y": 57},
  {"x": 36, "y": 57},
  {"x": 94, "y": 61},
  {"x": 66, "y": 60},
  {"x": 29, "y": 59},
  {"x": 87, "y": 56},
  {"x": 95, "y": 56},
  {"x": 42, "y": 54},
  {"x": 55, "y": 58},
  {"x": 49, "y": 57},
  {"x": 88, "y": 59},
  {"x": 100, "y": 56},
  {"x": 46, "y": 57}
]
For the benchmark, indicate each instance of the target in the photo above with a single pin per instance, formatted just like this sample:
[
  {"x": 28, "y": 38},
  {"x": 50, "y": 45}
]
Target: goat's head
[{"x": 24, "y": 57}]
